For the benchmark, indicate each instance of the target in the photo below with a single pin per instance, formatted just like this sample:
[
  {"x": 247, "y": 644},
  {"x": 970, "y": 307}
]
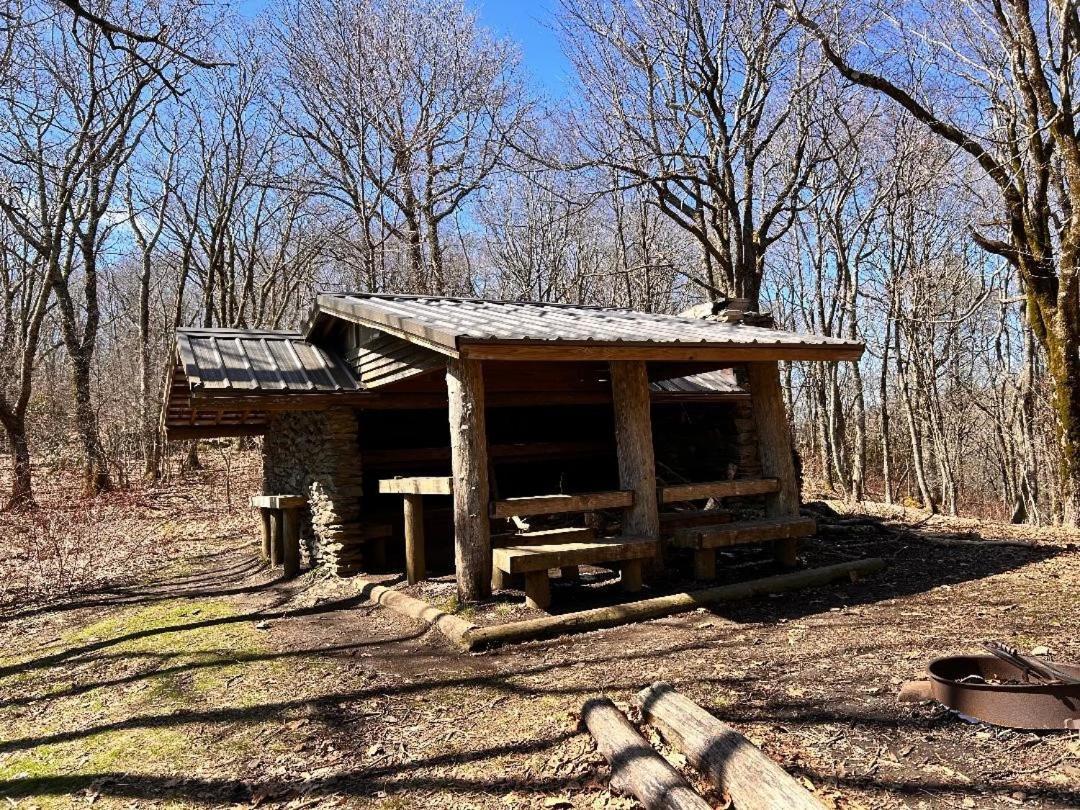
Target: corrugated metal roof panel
[
  {"x": 451, "y": 322},
  {"x": 721, "y": 381},
  {"x": 259, "y": 360}
]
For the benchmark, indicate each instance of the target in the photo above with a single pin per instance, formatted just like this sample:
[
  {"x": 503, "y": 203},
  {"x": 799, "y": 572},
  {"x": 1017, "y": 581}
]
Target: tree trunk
[
  {"x": 96, "y": 477},
  {"x": 22, "y": 490}
]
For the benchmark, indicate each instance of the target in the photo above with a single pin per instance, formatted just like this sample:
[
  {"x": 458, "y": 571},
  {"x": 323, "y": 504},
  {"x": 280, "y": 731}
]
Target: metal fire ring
[{"x": 1023, "y": 704}]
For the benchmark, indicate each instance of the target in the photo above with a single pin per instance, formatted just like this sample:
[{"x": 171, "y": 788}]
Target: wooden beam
[
  {"x": 774, "y": 445},
  {"x": 469, "y": 462},
  {"x": 417, "y": 485},
  {"x": 561, "y": 504},
  {"x": 690, "y": 353},
  {"x": 634, "y": 446},
  {"x": 674, "y": 493},
  {"x": 523, "y": 559}
]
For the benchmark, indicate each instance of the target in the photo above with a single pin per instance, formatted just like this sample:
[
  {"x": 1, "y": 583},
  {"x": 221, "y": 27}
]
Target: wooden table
[
  {"x": 281, "y": 529},
  {"x": 412, "y": 491}
]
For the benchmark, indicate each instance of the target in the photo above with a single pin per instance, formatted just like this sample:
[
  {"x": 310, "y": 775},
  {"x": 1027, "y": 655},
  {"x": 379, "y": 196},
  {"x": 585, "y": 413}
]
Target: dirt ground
[{"x": 209, "y": 682}]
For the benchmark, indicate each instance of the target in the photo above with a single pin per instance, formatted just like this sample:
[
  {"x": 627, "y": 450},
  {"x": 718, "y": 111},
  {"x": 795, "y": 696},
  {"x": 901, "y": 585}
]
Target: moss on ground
[{"x": 101, "y": 702}]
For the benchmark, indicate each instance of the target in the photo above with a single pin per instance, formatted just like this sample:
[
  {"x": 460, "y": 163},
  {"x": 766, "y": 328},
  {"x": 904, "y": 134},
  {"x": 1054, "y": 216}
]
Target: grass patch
[{"x": 105, "y": 705}]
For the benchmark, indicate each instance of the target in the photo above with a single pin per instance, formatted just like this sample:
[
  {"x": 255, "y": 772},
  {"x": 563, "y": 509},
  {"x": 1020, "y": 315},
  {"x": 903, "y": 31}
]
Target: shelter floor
[{"x": 212, "y": 683}]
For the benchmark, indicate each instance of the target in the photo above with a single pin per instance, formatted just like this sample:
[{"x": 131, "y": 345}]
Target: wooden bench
[
  {"x": 562, "y": 504},
  {"x": 412, "y": 491},
  {"x": 534, "y": 561},
  {"x": 704, "y": 540},
  {"x": 733, "y": 488},
  {"x": 541, "y": 537},
  {"x": 671, "y": 521},
  {"x": 280, "y": 516}
]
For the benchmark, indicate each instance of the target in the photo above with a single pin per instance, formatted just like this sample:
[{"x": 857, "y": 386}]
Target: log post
[
  {"x": 774, "y": 446},
  {"x": 264, "y": 522},
  {"x": 415, "y": 564},
  {"x": 469, "y": 460},
  {"x": 732, "y": 762},
  {"x": 537, "y": 590},
  {"x": 291, "y": 539},
  {"x": 634, "y": 445},
  {"x": 635, "y": 766},
  {"x": 277, "y": 537}
]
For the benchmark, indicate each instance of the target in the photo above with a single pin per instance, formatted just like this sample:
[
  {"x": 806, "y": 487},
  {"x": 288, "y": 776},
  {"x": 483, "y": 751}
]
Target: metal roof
[
  {"x": 721, "y": 381},
  {"x": 454, "y": 324},
  {"x": 230, "y": 360}
]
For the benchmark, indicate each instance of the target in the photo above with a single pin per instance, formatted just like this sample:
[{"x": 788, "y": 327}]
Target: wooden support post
[
  {"x": 500, "y": 580},
  {"x": 537, "y": 590},
  {"x": 277, "y": 537},
  {"x": 469, "y": 461},
  {"x": 631, "y": 576},
  {"x": 705, "y": 564},
  {"x": 634, "y": 444},
  {"x": 291, "y": 539},
  {"x": 635, "y": 767},
  {"x": 264, "y": 522},
  {"x": 415, "y": 564},
  {"x": 774, "y": 444},
  {"x": 571, "y": 573}
]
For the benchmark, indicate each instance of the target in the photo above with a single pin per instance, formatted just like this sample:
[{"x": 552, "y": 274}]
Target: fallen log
[
  {"x": 635, "y": 766},
  {"x": 732, "y": 762},
  {"x": 656, "y": 607}
]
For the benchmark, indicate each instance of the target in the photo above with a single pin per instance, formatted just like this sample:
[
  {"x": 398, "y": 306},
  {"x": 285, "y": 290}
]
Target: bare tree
[
  {"x": 1015, "y": 61},
  {"x": 406, "y": 108},
  {"x": 710, "y": 106}
]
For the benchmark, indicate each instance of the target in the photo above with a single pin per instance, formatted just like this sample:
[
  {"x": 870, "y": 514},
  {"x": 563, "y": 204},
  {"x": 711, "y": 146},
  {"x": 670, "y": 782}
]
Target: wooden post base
[
  {"x": 631, "y": 576},
  {"x": 537, "y": 590},
  {"x": 500, "y": 580},
  {"x": 786, "y": 552},
  {"x": 705, "y": 564},
  {"x": 264, "y": 547},
  {"x": 277, "y": 537},
  {"x": 571, "y": 573},
  {"x": 291, "y": 540}
]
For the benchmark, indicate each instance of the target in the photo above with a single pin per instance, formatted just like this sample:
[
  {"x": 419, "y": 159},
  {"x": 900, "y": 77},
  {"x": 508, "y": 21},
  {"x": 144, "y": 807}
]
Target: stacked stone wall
[{"x": 316, "y": 454}]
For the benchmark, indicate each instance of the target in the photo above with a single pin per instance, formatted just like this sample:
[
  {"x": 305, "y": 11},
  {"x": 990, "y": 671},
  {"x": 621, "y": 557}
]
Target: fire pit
[{"x": 987, "y": 688}]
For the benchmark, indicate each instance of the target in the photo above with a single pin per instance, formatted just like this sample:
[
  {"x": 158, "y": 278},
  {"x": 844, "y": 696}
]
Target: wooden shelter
[{"x": 507, "y": 410}]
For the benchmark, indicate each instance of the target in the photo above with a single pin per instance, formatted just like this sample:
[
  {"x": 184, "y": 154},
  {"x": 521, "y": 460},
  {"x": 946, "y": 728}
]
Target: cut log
[
  {"x": 732, "y": 762},
  {"x": 635, "y": 767},
  {"x": 264, "y": 522},
  {"x": 291, "y": 534},
  {"x": 277, "y": 537},
  {"x": 663, "y": 605},
  {"x": 415, "y": 564}
]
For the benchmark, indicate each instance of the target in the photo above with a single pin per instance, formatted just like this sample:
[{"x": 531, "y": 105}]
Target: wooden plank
[
  {"x": 522, "y": 559},
  {"x": 571, "y": 534},
  {"x": 670, "y": 521},
  {"x": 635, "y": 767},
  {"x": 634, "y": 446},
  {"x": 774, "y": 446},
  {"x": 561, "y": 504},
  {"x": 733, "y": 764},
  {"x": 469, "y": 462},
  {"x": 417, "y": 485},
  {"x": 748, "y": 531},
  {"x": 278, "y": 501},
  {"x": 291, "y": 539},
  {"x": 738, "y": 487}
]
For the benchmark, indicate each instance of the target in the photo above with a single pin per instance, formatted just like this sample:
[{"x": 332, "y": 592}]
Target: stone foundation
[{"x": 316, "y": 454}]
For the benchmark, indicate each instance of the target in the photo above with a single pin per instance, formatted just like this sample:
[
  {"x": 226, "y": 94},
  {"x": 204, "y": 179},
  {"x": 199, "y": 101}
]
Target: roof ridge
[{"x": 477, "y": 300}]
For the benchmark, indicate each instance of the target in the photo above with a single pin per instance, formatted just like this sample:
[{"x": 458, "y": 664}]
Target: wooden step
[
  {"x": 562, "y": 504},
  {"x": 670, "y": 521},
  {"x": 573, "y": 534},
  {"x": 523, "y": 559},
  {"x": 674, "y": 493},
  {"x": 748, "y": 531}
]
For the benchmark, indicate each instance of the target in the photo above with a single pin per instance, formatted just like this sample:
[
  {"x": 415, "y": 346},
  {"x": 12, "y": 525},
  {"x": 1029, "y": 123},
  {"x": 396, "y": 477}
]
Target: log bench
[
  {"x": 704, "y": 540},
  {"x": 534, "y": 561},
  {"x": 280, "y": 517}
]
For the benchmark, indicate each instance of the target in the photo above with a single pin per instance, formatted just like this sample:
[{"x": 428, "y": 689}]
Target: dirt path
[{"x": 219, "y": 685}]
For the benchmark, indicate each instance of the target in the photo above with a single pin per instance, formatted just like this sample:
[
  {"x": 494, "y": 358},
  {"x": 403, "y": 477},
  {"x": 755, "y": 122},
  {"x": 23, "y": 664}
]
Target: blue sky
[{"x": 530, "y": 23}]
